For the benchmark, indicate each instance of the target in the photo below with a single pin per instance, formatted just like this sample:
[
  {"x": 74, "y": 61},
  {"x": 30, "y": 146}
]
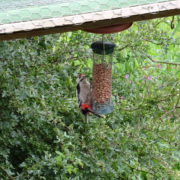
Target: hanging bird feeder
[
  {"x": 102, "y": 69},
  {"x": 102, "y": 77}
]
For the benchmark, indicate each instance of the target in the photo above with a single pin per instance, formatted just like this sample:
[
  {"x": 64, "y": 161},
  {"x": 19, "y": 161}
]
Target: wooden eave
[{"x": 88, "y": 20}]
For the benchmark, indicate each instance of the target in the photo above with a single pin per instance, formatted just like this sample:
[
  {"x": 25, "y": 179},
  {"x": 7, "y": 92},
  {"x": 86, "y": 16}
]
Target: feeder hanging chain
[
  {"x": 103, "y": 47},
  {"x": 172, "y": 23}
]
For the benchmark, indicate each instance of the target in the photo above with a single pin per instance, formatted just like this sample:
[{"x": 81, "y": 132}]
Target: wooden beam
[{"x": 89, "y": 20}]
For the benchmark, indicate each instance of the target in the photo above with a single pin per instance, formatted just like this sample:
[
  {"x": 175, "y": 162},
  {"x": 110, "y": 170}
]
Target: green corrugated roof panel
[
  {"x": 25, "y": 18},
  {"x": 12, "y": 11}
]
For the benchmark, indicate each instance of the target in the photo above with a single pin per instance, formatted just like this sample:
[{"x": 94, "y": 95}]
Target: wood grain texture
[{"x": 89, "y": 20}]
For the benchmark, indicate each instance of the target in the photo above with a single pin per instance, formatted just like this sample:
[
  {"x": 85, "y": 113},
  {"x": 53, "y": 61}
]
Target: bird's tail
[
  {"x": 86, "y": 118},
  {"x": 87, "y": 108},
  {"x": 98, "y": 115}
]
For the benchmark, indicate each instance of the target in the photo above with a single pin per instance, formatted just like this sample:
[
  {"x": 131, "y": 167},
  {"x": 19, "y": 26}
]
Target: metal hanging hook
[{"x": 103, "y": 48}]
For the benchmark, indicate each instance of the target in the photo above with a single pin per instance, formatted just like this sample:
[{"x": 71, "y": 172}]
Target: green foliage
[{"x": 42, "y": 133}]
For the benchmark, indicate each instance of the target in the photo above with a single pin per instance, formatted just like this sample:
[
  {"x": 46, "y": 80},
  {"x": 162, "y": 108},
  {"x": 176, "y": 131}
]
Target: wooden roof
[{"x": 20, "y": 19}]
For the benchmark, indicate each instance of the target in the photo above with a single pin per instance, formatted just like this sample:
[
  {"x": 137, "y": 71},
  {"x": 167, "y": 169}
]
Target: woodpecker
[{"x": 83, "y": 94}]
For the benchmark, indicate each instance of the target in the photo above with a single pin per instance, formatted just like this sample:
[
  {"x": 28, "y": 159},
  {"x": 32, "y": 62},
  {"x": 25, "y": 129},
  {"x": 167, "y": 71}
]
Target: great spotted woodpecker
[{"x": 83, "y": 94}]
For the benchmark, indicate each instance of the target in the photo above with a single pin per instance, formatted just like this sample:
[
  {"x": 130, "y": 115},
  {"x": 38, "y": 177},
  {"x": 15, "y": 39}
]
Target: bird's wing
[{"x": 77, "y": 95}]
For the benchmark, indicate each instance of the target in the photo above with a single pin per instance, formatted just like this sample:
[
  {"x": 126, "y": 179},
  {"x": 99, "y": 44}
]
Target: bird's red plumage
[{"x": 85, "y": 106}]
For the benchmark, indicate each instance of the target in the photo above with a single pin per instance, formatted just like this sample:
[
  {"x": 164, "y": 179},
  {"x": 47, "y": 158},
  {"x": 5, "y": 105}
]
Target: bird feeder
[
  {"x": 102, "y": 69},
  {"x": 102, "y": 76}
]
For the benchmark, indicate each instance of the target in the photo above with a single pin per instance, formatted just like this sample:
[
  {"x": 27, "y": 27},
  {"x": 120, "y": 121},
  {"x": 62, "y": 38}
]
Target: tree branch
[
  {"x": 124, "y": 47},
  {"x": 173, "y": 109},
  {"x": 10, "y": 177},
  {"x": 137, "y": 169},
  {"x": 162, "y": 62}
]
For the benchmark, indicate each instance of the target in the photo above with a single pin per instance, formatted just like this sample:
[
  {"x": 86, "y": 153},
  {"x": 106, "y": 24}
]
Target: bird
[{"x": 84, "y": 96}]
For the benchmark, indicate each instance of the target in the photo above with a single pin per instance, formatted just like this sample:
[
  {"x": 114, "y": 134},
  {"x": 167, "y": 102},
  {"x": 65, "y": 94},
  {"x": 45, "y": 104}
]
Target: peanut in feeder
[{"x": 102, "y": 76}]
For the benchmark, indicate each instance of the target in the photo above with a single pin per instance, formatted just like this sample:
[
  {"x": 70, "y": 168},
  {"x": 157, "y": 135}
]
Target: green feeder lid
[{"x": 102, "y": 48}]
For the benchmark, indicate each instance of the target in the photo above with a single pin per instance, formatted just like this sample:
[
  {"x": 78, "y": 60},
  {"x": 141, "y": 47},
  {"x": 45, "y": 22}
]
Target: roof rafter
[{"x": 89, "y": 20}]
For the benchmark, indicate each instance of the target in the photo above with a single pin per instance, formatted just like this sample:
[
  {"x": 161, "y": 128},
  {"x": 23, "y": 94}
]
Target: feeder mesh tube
[{"x": 102, "y": 80}]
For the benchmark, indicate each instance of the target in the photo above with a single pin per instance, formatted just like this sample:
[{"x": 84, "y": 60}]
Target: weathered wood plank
[{"x": 89, "y": 20}]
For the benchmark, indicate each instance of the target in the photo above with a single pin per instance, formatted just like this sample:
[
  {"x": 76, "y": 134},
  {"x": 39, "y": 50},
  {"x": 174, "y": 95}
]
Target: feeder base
[{"x": 102, "y": 108}]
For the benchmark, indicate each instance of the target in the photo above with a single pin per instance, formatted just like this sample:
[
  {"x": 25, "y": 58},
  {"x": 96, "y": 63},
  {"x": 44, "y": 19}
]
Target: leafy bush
[{"x": 42, "y": 133}]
